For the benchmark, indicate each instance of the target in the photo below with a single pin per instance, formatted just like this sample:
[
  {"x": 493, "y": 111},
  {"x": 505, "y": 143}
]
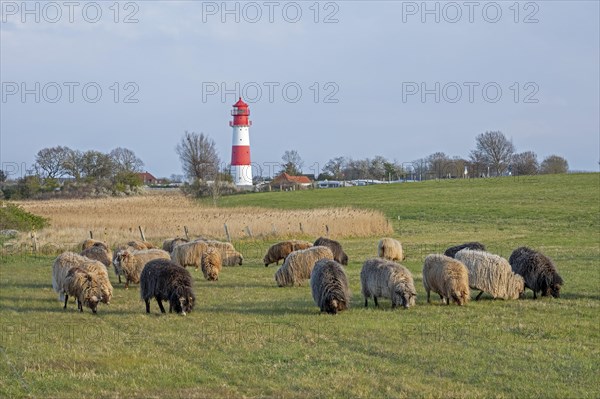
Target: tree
[
  {"x": 335, "y": 168},
  {"x": 49, "y": 162},
  {"x": 554, "y": 164},
  {"x": 292, "y": 163},
  {"x": 2, "y": 176},
  {"x": 525, "y": 163},
  {"x": 198, "y": 155},
  {"x": 96, "y": 165},
  {"x": 73, "y": 164},
  {"x": 495, "y": 150},
  {"x": 438, "y": 165},
  {"x": 125, "y": 160}
]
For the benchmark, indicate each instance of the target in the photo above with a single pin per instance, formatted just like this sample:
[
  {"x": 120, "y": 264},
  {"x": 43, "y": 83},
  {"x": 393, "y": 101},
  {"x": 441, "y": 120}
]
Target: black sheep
[
  {"x": 167, "y": 281},
  {"x": 538, "y": 271},
  {"x": 329, "y": 286},
  {"x": 338, "y": 253},
  {"x": 474, "y": 246}
]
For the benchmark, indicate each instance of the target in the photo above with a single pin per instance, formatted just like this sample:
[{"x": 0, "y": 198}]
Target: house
[
  {"x": 287, "y": 182},
  {"x": 148, "y": 178}
]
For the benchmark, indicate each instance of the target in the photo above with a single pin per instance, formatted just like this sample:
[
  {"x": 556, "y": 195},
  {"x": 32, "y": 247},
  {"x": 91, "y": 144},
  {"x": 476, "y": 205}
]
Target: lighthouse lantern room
[{"x": 241, "y": 169}]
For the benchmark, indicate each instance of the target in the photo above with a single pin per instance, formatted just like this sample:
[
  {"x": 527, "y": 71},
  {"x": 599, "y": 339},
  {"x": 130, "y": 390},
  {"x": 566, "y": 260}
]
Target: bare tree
[
  {"x": 525, "y": 163},
  {"x": 438, "y": 165},
  {"x": 495, "y": 150},
  {"x": 97, "y": 165},
  {"x": 292, "y": 162},
  {"x": 125, "y": 160},
  {"x": 49, "y": 162},
  {"x": 3, "y": 176},
  {"x": 554, "y": 164},
  {"x": 73, "y": 164},
  {"x": 198, "y": 155},
  {"x": 335, "y": 167}
]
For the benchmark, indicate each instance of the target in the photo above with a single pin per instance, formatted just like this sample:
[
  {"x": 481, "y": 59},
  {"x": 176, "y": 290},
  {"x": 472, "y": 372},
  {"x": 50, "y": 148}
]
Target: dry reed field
[{"x": 116, "y": 220}]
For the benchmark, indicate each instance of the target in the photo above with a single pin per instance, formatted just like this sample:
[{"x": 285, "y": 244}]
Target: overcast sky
[{"x": 342, "y": 78}]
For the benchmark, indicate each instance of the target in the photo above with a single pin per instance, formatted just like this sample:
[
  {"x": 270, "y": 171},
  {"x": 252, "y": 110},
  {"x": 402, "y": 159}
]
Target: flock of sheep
[{"x": 162, "y": 273}]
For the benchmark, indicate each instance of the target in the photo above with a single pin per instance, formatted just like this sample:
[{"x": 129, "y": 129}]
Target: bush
[{"x": 14, "y": 217}]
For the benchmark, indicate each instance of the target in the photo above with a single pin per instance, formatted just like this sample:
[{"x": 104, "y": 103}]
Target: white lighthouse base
[{"x": 242, "y": 176}]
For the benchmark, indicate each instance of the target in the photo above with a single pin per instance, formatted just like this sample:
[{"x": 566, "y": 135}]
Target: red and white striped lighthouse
[{"x": 241, "y": 169}]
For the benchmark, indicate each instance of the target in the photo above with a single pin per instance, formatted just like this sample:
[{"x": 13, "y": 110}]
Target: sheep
[
  {"x": 171, "y": 243},
  {"x": 390, "y": 249},
  {"x": 492, "y": 274},
  {"x": 385, "y": 278},
  {"x": 477, "y": 246},
  {"x": 68, "y": 260},
  {"x": 229, "y": 256},
  {"x": 448, "y": 277},
  {"x": 89, "y": 243},
  {"x": 329, "y": 286},
  {"x": 189, "y": 254},
  {"x": 140, "y": 245},
  {"x": 166, "y": 281},
  {"x": 211, "y": 264},
  {"x": 131, "y": 262},
  {"x": 83, "y": 287},
  {"x": 100, "y": 253},
  {"x": 538, "y": 271},
  {"x": 299, "y": 264},
  {"x": 282, "y": 249},
  {"x": 338, "y": 253}
]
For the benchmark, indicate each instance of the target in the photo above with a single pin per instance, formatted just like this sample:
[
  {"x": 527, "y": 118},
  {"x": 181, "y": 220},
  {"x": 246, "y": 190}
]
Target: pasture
[{"x": 249, "y": 338}]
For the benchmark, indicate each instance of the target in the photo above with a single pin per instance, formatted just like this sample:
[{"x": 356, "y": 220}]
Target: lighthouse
[{"x": 241, "y": 170}]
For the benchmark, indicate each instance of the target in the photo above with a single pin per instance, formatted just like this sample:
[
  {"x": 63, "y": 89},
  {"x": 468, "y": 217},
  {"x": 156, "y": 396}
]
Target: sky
[{"x": 342, "y": 78}]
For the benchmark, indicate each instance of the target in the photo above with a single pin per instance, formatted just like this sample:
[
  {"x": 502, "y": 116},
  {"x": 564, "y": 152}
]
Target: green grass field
[{"x": 249, "y": 338}]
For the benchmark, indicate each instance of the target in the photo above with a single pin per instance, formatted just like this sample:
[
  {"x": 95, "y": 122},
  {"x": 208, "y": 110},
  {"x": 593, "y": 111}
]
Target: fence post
[
  {"x": 326, "y": 231},
  {"x": 248, "y": 231},
  {"x": 91, "y": 235},
  {"x": 301, "y": 228},
  {"x": 227, "y": 232},
  {"x": 185, "y": 230},
  {"x": 142, "y": 233},
  {"x": 34, "y": 241}
]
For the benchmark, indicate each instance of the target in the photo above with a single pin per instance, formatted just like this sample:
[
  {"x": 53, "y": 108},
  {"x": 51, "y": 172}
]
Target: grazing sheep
[
  {"x": 83, "y": 287},
  {"x": 385, "y": 278},
  {"x": 166, "y": 281},
  {"x": 390, "y": 249},
  {"x": 211, "y": 264},
  {"x": 282, "y": 249},
  {"x": 338, "y": 253},
  {"x": 100, "y": 253},
  {"x": 299, "y": 264},
  {"x": 131, "y": 262},
  {"x": 171, "y": 243},
  {"x": 89, "y": 243},
  {"x": 329, "y": 286},
  {"x": 229, "y": 256},
  {"x": 189, "y": 254},
  {"x": 492, "y": 274},
  {"x": 448, "y": 277},
  {"x": 538, "y": 271},
  {"x": 140, "y": 245},
  {"x": 476, "y": 246},
  {"x": 69, "y": 260}
]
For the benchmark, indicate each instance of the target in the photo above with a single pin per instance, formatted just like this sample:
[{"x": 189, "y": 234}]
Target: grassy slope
[{"x": 248, "y": 337}]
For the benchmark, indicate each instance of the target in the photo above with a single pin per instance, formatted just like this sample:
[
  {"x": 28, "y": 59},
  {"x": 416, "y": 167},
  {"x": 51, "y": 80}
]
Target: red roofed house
[
  {"x": 148, "y": 178},
  {"x": 285, "y": 181}
]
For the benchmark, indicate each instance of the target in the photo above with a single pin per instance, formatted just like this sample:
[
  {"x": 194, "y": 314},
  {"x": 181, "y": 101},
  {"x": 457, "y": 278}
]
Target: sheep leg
[
  {"x": 127, "y": 284},
  {"x": 66, "y": 299},
  {"x": 147, "y": 305},
  {"x": 375, "y": 300},
  {"x": 119, "y": 278},
  {"x": 366, "y": 302},
  {"x": 479, "y": 295},
  {"x": 79, "y": 305},
  {"x": 428, "y": 299},
  {"x": 534, "y": 295},
  {"x": 160, "y": 305}
]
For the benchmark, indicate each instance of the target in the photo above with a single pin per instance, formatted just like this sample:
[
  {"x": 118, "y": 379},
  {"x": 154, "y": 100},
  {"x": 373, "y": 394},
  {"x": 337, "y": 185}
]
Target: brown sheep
[
  {"x": 211, "y": 264},
  {"x": 282, "y": 249},
  {"x": 448, "y": 277},
  {"x": 131, "y": 262},
  {"x": 189, "y": 254},
  {"x": 299, "y": 264}
]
